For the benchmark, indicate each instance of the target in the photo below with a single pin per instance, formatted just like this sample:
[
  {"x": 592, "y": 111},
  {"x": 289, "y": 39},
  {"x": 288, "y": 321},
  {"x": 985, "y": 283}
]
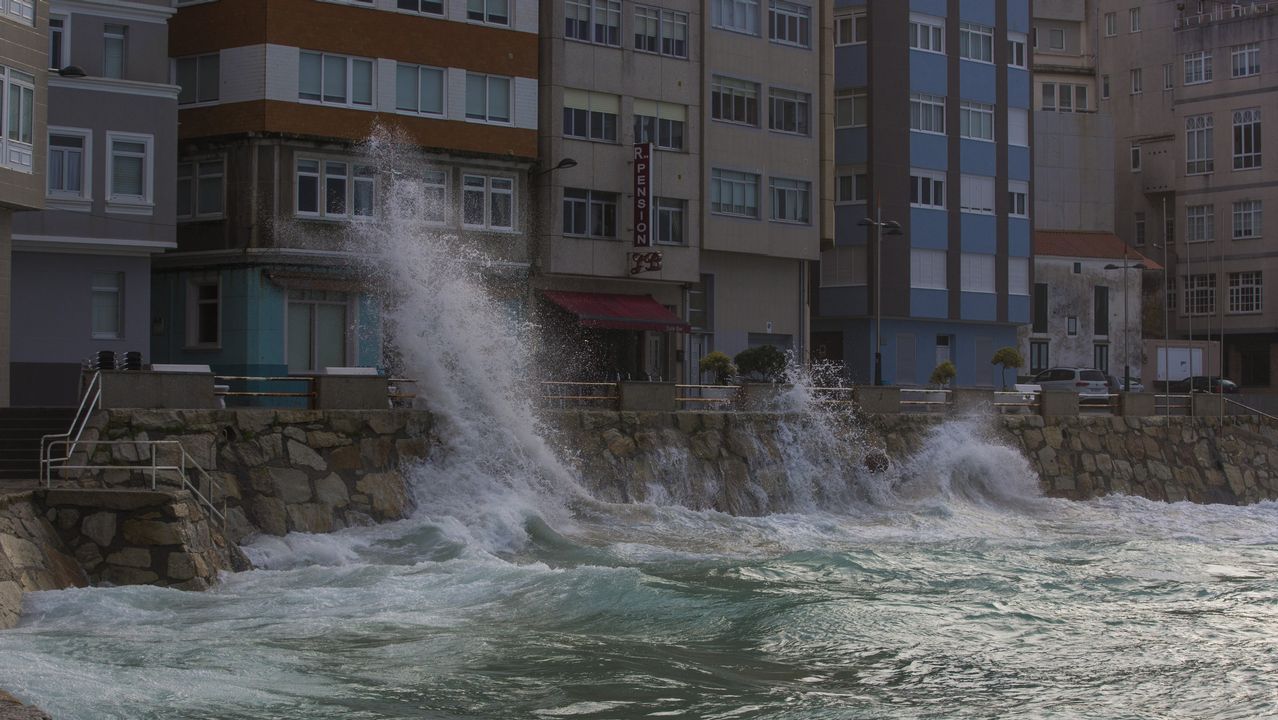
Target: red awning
[{"x": 617, "y": 312}]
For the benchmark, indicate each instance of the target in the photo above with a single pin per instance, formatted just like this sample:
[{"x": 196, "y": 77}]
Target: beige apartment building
[
  {"x": 1188, "y": 83},
  {"x": 733, "y": 95}
]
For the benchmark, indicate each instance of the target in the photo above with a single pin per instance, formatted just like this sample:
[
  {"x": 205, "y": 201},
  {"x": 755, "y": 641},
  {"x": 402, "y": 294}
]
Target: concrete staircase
[{"x": 20, "y": 431}]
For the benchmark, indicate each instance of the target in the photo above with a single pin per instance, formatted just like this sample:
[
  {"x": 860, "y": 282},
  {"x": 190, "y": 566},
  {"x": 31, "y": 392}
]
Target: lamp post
[
  {"x": 893, "y": 228},
  {"x": 1127, "y": 334}
]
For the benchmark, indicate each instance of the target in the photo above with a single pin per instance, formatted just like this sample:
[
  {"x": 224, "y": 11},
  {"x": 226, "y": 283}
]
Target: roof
[
  {"x": 617, "y": 312},
  {"x": 1098, "y": 245}
]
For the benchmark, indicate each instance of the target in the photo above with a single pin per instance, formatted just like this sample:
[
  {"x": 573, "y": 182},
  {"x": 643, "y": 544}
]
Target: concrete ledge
[
  {"x": 878, "y": 400},
  {"x": 1057, "y": 403},
  {"x": 1207, "y": 404},
  {"x": 140, "y": 389},
  {"x": 1136, "y": 404},
  {"x": 761, "y": 397},
  {"x": 350, "y": 392},
  {"x": 648, "y": 396},
  {"x": 966, "y": 400}
]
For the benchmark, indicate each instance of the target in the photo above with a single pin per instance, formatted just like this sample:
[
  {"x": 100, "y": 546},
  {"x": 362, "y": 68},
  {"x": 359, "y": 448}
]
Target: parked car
[
  {"x": 1203, "y": 383},
  {"x": 1086, "y": 382},
  {"x": 1116, "y": 385}
]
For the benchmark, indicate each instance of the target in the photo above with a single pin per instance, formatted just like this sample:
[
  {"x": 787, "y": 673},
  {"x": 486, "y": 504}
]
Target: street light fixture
[
  {"x": 893, "y": 228},
  {"x": 562, "y": 165},
  {"x": 1127, "y": 334}
]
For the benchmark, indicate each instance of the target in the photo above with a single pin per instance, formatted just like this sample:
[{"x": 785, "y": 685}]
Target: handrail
[
  {"x": 90, "y": 401},
  {"x": 1249, "y": 408}
]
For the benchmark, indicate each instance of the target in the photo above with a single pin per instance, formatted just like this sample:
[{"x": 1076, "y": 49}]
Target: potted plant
[
  {"x": 719, "y": 365},
  {"x": 944, "y": 374},
  {"x": 764, "y": 368},
  {"x": 1010, "y": 358}
]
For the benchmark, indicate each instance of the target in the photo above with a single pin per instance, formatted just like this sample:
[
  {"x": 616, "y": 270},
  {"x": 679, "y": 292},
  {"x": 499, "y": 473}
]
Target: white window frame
[
  {"x": 1017, "y": 50},
  {"x": 929, "y": 269},
  {"x": 602, "y": 17},
  {"x": 193, "y": 303},
  {"x": 110, "y": 35},
  {"x": 486, "y": 14},
  {"x": 200, "y": 169},
  {"x": 1111, "y": 24},
  {"x": 1133, "y": 20},
  {"x": 1169, "y": 76},
  {"x": 976, "y": 193},
  {"x": 1018, "y": 276},
  {"x": 299, "y": 296},
  {"x": 848, "y": 27},
  {"x": 419, "y": 5},
  {"x": 1137, "y": 80},
  {"x": 980, "y": 37},
  {"x": 417, "y": 71},
  {"x": 23, "y": 10},
  {"x": 723, "y": 178},
  {"x": 349, "y": 91},
  {"x": 668, "y": 117},
  {"x": 600, "y": 107},
  {"x": 1247, "y": 129},
  {"x": 924, "y": 187},
  {"x": 1018, "y": 127},
  {"x": 16, "y": 153},
  {"x": 1246, "y": 292},
  {"x": 851, "y": 186},
  {"x": 780, "y": 15},
  {"x": 927, "y": 33},
  {"x": 1017, "y": 198},
  {"x": 81, "y": 200},
  {"x": 973, "y": 117},
  {"x": 1248, "y": 219},
  {"x": 802, "y": 101},
  {"x": 1244, "y": 60},
  {"x": 1198, "y": 68},
  {"x": 977, "y": 273},
  {"x": 197, "y": 61},
  {"x": 1135, "y": 157},
  {"x": 729, "y": 88},
  {"x": 1199, "y": 294},
  {"x": 739, "y": 16},
  {"x": 510, "y": 99},
  {"x": 934, "y": 105},
  {"x": 1200, "y": 223},
  {"x": 1199, "y": 137},
  {"x": 1052, "y": 34},
  {"x": 118, "y": 291},
  {"x": 844, "y": 266},
  {"x": 676, "y": 209},
  {"x": 799, "y": 192},
  {"x": 64, "y": 33},
  {"x": 131, "y": 204},
  {"x": 489, "y": 193},
  {"x": 849, "y": 104},
  {"x": 662, "y": 21},
  {"x": 352, "y": 177},
  {"x": 1105, "y": 87}
]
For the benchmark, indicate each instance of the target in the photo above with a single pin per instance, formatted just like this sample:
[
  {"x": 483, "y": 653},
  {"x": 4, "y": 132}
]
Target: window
[
  {"x": 204, "y": 313},
  {"x": 426, "y": 7},
  {"x": 736, "y": 15},
  {"x": 1018, "y": 127},
  {"x": 1111, "y": 24},
  {"x": 1104, "y": 87},
  {"x": 734, "y": 193},
  {"x": 335, "y": 79},
  {"x": 590, "y": 213},
  {"x": 1016, "y": 50},
  {"x": 852, "y": 187},
  {"x": 129, "y": 179},
  {"x": 661, "y": 31},
  {"x": 199, "y": 77},
  {"x": 435, "y": 204},
  {"x": 495, "y": 12},
  {"x": 69, "y": 154},
  {"x": 670, "y": 221},
  {"x": 57, "y": 41},
  {"x": 1100, "y": 310},
  {"x": 1247, "y": 139},
  {"x": 976, "y": 121},
  {"x": 927, "y": 189},
  {"x": 1040, "y": 308},
  {"x": 1200, "y": 294},
  {"x": 735, "y": 101},
  {"x": 108, "y": 305},
  {"x": 927, "y": 113},
  {"x": 487, "y": 98},
  {"x": 591, "y": 116},
  {"x": 977, "y": 194},
  {"x": 927, "y": 33},
  {"x": 789, "y": 111},
  {"x": 851, "y": 108},
  {"x": 661, "y": 124},
  {"x": 1200, "y": 223},
  {"x": 1197, "y": 67},
  {"x": 1168, "y": 82},
  {"x": 1017, "y": 198},
  {"x": 1244, "y": 60},
  {"x": 1246, "y": 292},
  {"x": 1064, "y": 97},
  {"x": 1018, "y": 276},
  {"x": 316, "y": 337},
  {"x": 1138, "y": 229},
  {"x": 1198, "y": 139},
  {"x": 24, "y": 10},
  {"x": 1248, "y": 215},
  {"x": 1133, "y": 20},
  {"x": 1080, "y": 98},
  {"x": 977, "y": 272},
  {"x": 419, "y": 89},
  {"x": 200, "y": 190},
  {"x": 976, "y": 42},
  {"x": 843, "y": 267},
  {"x": 1134, "y": 151},
  {"x": 851, "y": 28},
  {"x": 1039, "y": 359},
  {"x": 114, "y": 39},
  {"x": 1137, "y": 81},
  {"x": 789, "y": 23},
  {"x": 334, "y": 189},
  {"x": 599, "y": 21},
  {"x": 791, "y": 200},
  {"x": 1071, "y": 325},
  {"x": 1100, "y": 357},
  {"x": 1056, "y": 39},
  {"x": 928, "y": 269},
  {"x": 488, "y": 202}
]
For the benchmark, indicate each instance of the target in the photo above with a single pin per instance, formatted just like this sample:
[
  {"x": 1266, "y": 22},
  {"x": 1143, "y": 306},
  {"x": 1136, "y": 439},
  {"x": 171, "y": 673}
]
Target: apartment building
[
  {"x": 933, "y": 143},
  {"x": 1188, "y": 85},
  {"x": 276, "y": 96},
  {"x": 82, "y": 267},
  {"x": 23, "y": 103},
  {"x": 733, "y": 97}
]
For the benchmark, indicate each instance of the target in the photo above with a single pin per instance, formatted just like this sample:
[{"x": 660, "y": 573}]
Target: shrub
[
  {"x": 765, "y": 361},
  {"x": 719, "y": 364},
  {"x": 943, "y": 374},
  {"x": 1010, "y": 358}
]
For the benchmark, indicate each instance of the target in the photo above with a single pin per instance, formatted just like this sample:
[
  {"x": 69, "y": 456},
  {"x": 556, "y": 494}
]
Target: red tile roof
[{"x": 1060, "y": 243}]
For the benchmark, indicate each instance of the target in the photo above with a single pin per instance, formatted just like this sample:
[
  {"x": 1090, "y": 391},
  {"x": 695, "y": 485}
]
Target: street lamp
[
  {"x": 562, "y": 165},
  {"x": 1127, "y": 334},
  {"x": 893, "y": 228}
]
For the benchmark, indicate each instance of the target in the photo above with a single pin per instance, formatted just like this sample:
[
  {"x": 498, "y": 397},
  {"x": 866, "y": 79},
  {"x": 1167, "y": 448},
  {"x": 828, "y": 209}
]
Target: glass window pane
[
  {"x": 334, "y": 79},
  {"x": 361, "y": 82},
  {"x": 406, "y": 88},
  {"x": 330, "y": 328},
  {"x": 499, "y": 99},
  {"x": 299, "y": 337},
  {"x": 476, "y": 96},
  {"x": 309, "y": 73},
  {"x": 432, "y": 90}
]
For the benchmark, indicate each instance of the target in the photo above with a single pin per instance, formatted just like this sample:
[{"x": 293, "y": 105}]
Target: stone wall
[
  {"x": 277, "y": 471},
  {"x": 32, "y": 556}
]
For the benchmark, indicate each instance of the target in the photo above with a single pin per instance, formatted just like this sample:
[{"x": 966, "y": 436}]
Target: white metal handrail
[
  {"x": 1250, "y": 409},
  {"x": 89, "y": 402},
  {"x": 47, "y": 462}
]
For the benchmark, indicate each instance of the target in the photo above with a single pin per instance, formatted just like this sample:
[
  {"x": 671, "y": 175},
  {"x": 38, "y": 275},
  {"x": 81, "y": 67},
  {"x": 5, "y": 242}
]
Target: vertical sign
[{"x": 643, "y": 195}]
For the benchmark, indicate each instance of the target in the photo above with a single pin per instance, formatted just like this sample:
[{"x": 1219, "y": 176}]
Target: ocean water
[{"x": 945, "y": 588}]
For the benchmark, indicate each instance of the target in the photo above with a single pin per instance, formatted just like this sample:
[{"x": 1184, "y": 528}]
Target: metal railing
[
  {"x": 184, "y": 463},
  {"x": 925, "y": 400},
  {"x": 707, "y": 397},
  {"x": 1098, "y": 404},
  {"x": 1170, "y": 404},
  {"x": 90, "y": 401},
  {"x": 224, "y": 381},
  {"x": 1231, "y": 404},
  {"x": 395, "y": 394},
  {"x": 1223, "y": 12},
  {"x": 564, "y": 394},
  {"x": 1017, "y": 401}
]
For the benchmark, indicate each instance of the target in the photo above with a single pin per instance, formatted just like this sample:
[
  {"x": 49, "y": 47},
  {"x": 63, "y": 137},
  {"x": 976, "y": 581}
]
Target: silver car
[{"x": 1084, "y": 381}]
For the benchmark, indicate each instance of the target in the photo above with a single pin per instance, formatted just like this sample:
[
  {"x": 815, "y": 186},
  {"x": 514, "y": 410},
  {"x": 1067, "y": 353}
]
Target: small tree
[
  {"x": 719, "y": 364},
  {"x": 765, "y": 361},
  {"x": 1010, "y": 358},
  {"x": 943, "y": 374}
]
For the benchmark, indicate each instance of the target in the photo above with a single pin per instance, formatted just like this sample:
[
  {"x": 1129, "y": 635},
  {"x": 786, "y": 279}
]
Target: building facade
[
  {"x": 933, "y": 139},
  {"x": 276, "y": 98},
  {"x": 1188, "y": 85},
  {"x": 82, "y": 267},
  {"x": 733, "y": 97},
  {"x": 24, "y": 98}
]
